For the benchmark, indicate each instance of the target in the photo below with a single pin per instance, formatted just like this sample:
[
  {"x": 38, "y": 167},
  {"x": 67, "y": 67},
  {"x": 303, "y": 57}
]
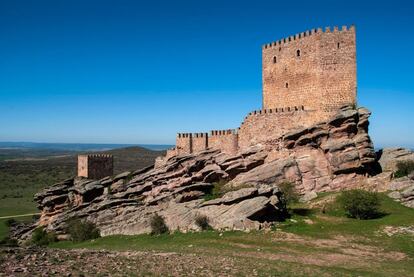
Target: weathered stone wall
[
  {"x": 95, "y": 166},
  {"x": 200, "y": 142},
  {"x": 225, "y": 140},
  {"x": 314, "y": 69},
  {"x": 261, "y": 126},
  {"x": 83, "y": 166},
  {"x": 184, "y": 143}
]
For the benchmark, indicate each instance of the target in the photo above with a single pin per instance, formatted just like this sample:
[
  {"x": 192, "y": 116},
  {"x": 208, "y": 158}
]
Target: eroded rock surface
[{"x": 389, "y": 157}]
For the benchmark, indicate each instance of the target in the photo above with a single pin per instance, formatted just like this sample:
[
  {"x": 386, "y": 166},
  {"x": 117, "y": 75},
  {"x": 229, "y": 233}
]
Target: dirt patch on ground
[
  {"x": 55, "y": 262},
  {"x": 346, "y": 250}
]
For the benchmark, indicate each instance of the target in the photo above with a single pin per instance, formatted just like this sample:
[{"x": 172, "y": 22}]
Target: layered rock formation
[{"x": 328, "y": 156}]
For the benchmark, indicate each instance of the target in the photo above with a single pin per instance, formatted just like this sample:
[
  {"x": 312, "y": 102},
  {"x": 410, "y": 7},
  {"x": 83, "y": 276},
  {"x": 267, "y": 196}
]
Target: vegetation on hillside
[
  {"x": 360, "y": 204},
  {"x": 404, "y": 168}
]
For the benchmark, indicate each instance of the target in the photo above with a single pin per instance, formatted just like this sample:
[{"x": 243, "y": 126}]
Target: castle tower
[
  {"x": 315, "y": 69},
  {"x": 95, "y": 166}
]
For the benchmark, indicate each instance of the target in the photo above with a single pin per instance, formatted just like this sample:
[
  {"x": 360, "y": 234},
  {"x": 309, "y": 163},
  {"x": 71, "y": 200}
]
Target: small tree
[
  {"x": 82, "y": 230},
  {"x": 202, "y": 222},
  {"x": 360, "y": 204},
  {"x": 158, "y": 225},
  {"x": 11, "y": 222},
  {"x": 289, "y": 192},
  {"x": 404, "y": 168}
]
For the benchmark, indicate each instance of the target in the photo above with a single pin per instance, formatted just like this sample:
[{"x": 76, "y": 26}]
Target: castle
[{"x": 306, "y": 78}]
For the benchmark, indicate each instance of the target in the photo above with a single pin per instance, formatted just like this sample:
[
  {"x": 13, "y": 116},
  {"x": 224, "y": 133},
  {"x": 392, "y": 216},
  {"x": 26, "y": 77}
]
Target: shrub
[
  {"x": 404, "y": 168},
  {"x": 289, "y": 192},
  {"x": 82, "y": 230},
  {"x": 202, "y": 222},
  {"x": 158, "y": 225},
  {"x": 220, "y": 188},
  {"x": 41, "y": 238},
  {"x": 360, "y": 204},
  {"x": 10, "y": 222},
  {"x": 7, "y": 241}
]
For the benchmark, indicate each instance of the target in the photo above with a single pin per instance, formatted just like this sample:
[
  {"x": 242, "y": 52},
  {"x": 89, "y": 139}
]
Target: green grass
[
  {"x": 261, "y": 246},
  {"x": 335, "y": 221}
]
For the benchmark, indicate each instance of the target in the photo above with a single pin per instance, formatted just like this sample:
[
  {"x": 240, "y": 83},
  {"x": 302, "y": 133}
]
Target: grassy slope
[{"x": 332, "y": 245}]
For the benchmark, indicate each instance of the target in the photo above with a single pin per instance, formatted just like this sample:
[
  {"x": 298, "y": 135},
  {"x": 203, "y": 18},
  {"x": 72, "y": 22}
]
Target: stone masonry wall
[
  {"x": 200, "y": 142},
  {"x": 314, "y": 69},
  {"x": 260, "y": 126},
  {"x": 95, "y": 166},
  {"x": 225, "y": 140},
  {"x": 184, "y": 143}
]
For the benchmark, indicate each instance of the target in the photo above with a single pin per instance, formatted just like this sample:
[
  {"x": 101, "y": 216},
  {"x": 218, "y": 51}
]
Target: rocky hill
[{"x": 329, "y": 156}]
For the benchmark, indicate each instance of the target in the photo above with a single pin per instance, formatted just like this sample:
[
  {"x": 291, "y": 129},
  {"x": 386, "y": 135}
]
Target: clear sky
[{"x": 140, "y": 71}]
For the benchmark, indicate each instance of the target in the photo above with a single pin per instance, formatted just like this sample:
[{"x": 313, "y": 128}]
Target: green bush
[
  {"x": 10, "y": 222},
  {"x": 220, "y": 188},
  {"x": 202, "y": 222},
  {"x": 158, "y": 225},
  {"x": 216, "y": 191},
  {"x": 82, "y": 230},
  {"x": 289, "y": 192},
  {"x": 404, "y": 168},
  {"x": 7, "y": 241},
  {"x": 41, "y": 238},
  {"x": 360, "y": 204}
]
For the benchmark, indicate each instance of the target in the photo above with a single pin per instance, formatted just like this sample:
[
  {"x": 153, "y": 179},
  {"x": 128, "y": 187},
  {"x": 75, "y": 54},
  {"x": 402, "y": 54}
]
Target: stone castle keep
[{"x": 306, "y": 78}]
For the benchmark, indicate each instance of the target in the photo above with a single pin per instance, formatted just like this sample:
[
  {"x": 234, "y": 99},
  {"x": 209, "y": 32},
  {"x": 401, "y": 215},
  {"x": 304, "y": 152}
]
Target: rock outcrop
[
  {"x": 329, "y": 156},
  {"x": 389, "y": 157}
]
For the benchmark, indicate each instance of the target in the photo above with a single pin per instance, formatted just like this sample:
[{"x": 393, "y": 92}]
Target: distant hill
[
  {"x": 76, "y": 146},
  {"x": 132, "y": 158}
]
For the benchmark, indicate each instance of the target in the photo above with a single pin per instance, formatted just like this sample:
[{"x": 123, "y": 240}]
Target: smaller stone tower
[{"x": 95, "y": 166}]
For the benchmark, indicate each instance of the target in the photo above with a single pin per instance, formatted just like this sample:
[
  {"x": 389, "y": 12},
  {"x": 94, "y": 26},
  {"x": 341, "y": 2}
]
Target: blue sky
[{"x": 138, "y": 72}]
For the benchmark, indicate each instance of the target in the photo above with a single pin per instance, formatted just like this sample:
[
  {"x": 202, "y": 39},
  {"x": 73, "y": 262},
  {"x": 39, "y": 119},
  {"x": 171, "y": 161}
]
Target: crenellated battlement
[
  {"x": 277, "y": 110},
  {"x": 224, "y": 132},
  {"x": 102, "y": 156},
  {"x": 307, "y": 34}
]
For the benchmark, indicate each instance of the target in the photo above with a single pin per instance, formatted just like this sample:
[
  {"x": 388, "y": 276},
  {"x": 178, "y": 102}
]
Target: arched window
[
  {"x": 287, "y": 85},
  {"x": 297, "y": 53},
  {"x": 274, "y": 59},
  {"x": 338, "y": 45},
  {"x": 280, "y": 49}
]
